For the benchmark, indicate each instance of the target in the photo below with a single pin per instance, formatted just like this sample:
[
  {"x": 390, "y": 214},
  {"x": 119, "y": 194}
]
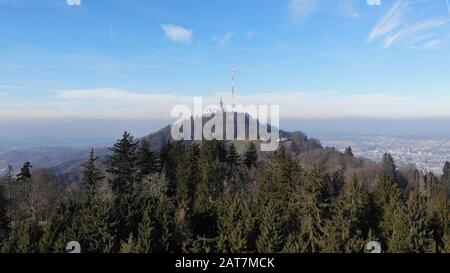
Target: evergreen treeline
[{"x": 209, "y": 198}]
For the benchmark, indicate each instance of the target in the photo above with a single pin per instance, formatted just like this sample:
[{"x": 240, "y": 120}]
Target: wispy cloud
[
  {"x": 302, "y": 9},
  {"x": 177, "y": 33},
  {"x": 73, "y": 2},
  {"x": 391, "y": 21},
  {"x": 412, "y": 29},
  {"x": 224, "y": 40},
  {"x": 433, "y": 44},
  {"x": 374, "y": 2},
  {"x": 395, "y": 25}
]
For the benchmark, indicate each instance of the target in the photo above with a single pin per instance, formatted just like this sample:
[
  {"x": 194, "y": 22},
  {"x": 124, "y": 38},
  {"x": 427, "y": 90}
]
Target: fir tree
[
  {"x": 146, "y": 233},
  {"x": 146, "y": 161},
  {"x": 348, "y": 151},
  {"x": 91, "y": 176},
  {"x": 95, "y": 229},
  {"x": 235, "y": 225},
  {"x": 251, "y": 156},
  {"x": 63, "y": 227},
  {"x": 445, "y": 178},
  {"x": 272, "y": 235},
  {"x": 314, "y": 209},
  {"x": 348, "y": 229},
  {"x": 122, "y": 165},
  {"x": 420, "y": 235},
  {"x": 440, "y": 208},
  {"x": 393, "y": 225},
  {"x": 188, "y": 176}
]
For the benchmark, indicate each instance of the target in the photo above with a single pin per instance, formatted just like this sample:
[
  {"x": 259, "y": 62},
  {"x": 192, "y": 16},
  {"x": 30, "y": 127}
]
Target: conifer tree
[
  {"x": 30, "y": 195},
  {"x": 233, "y": 161},
  {"x": 188, "y": 176},
  {"x": 128, "y": 246},
  {"x": 235, "y": 225},
  {"x": 95, "y": 229},
  {"x": 389, "y": 167},
  {"x": 348, "y": 228},
  {"x": 146, "y": 161},
  {"x": 146, "y": 233},
  {"x": 122, "y": 165},
  {"x": 251, "y": 156},
  {"x": 348, "y": 151},
  {"x": 445, "y": 178},
  {"x": 272, "y": 234},
  {"x": 29, "y": 236},
  {"x": 314, "y": 209},
  {"x": 63, "y": 227},
  {"x": 420, "y": 234},
  {"x": 393, "y": 224},
  {"x": 440, "y": 208},
  {"x": 91, "y": 177}
]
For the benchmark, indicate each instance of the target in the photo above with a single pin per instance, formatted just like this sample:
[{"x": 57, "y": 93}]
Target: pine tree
[
  {"x": 63, "y": 227},
  {"x": 29, "y": 236},
  {"x": 235, "y": 225},
  {"x": 121, "y": 166},
  {"x": 272, "y": 235},
  {"x": 203, "y": 245},
  {"x": 349, "y": 226},
  {"x": 348, "y": 152},
  {"x": 393, "y": 224},
  {"x": 251, "y": 156},
  {"x": 188, "y": 177},
  {"x": 440, "y": 208},
  {"x": 95, "y": 229},
  {"x": 420, "y": 234},
  {"x": 146, "y": 233},
  {"x": 389, "y": 167},
  {"x": 233, "y": 161},
  {"x": 30, "y": 195},
  {"x": 314, "y": 209},
  {"x": 445, "y": 178},
  {"x": 91, "y": 176},
  {"x": 146, "y": 161}
]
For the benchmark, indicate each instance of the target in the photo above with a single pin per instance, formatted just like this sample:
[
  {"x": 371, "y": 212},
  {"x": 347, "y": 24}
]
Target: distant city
[{"x": 427, "y": 153}]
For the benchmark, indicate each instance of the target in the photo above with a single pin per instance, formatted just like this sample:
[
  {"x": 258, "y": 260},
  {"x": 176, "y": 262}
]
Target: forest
[{"x": 226, "y": 197}]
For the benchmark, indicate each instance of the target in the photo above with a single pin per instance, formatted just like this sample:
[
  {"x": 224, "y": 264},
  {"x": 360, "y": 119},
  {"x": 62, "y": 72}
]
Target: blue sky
[{"x": 316, "y": 58}]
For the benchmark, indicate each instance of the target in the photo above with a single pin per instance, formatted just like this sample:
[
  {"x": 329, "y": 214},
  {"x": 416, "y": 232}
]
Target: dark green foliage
[
  {"x": 122, "y": 165},
  {"x": 95, "y": 229},
  {"x": 146, "y": 161},
  {"x": 202, "y": 198},
  {"x": 25, "y": 172},
  {"x": 349, "y": 226},
  {"x": 251, "y": 156},
  {"x": 420, "y": 235},
  {"x": 91, "y": 176},
  {"x": 272, "y": 229},
  {"x": 235, "y": 225}
]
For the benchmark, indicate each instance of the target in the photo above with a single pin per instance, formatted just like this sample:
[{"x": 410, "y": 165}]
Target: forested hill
[{"x": 208, "y": 197}]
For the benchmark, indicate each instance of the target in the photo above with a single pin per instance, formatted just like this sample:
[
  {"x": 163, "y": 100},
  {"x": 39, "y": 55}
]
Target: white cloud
[
  {"x": 391, "y": 21},
  {"x": 223, "y": 41},
  {"x": 433, "y": 44},
  {"x": 395, "y": 25},
  {"x": 250, "y": 35},
  {"x": 303, "y": 8},
  {"x": 73, "y": 2},
  {"x": 412, "y": 29},
  {"x": 177, "y": 33},
  {"x": 374, "y": 2}
]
